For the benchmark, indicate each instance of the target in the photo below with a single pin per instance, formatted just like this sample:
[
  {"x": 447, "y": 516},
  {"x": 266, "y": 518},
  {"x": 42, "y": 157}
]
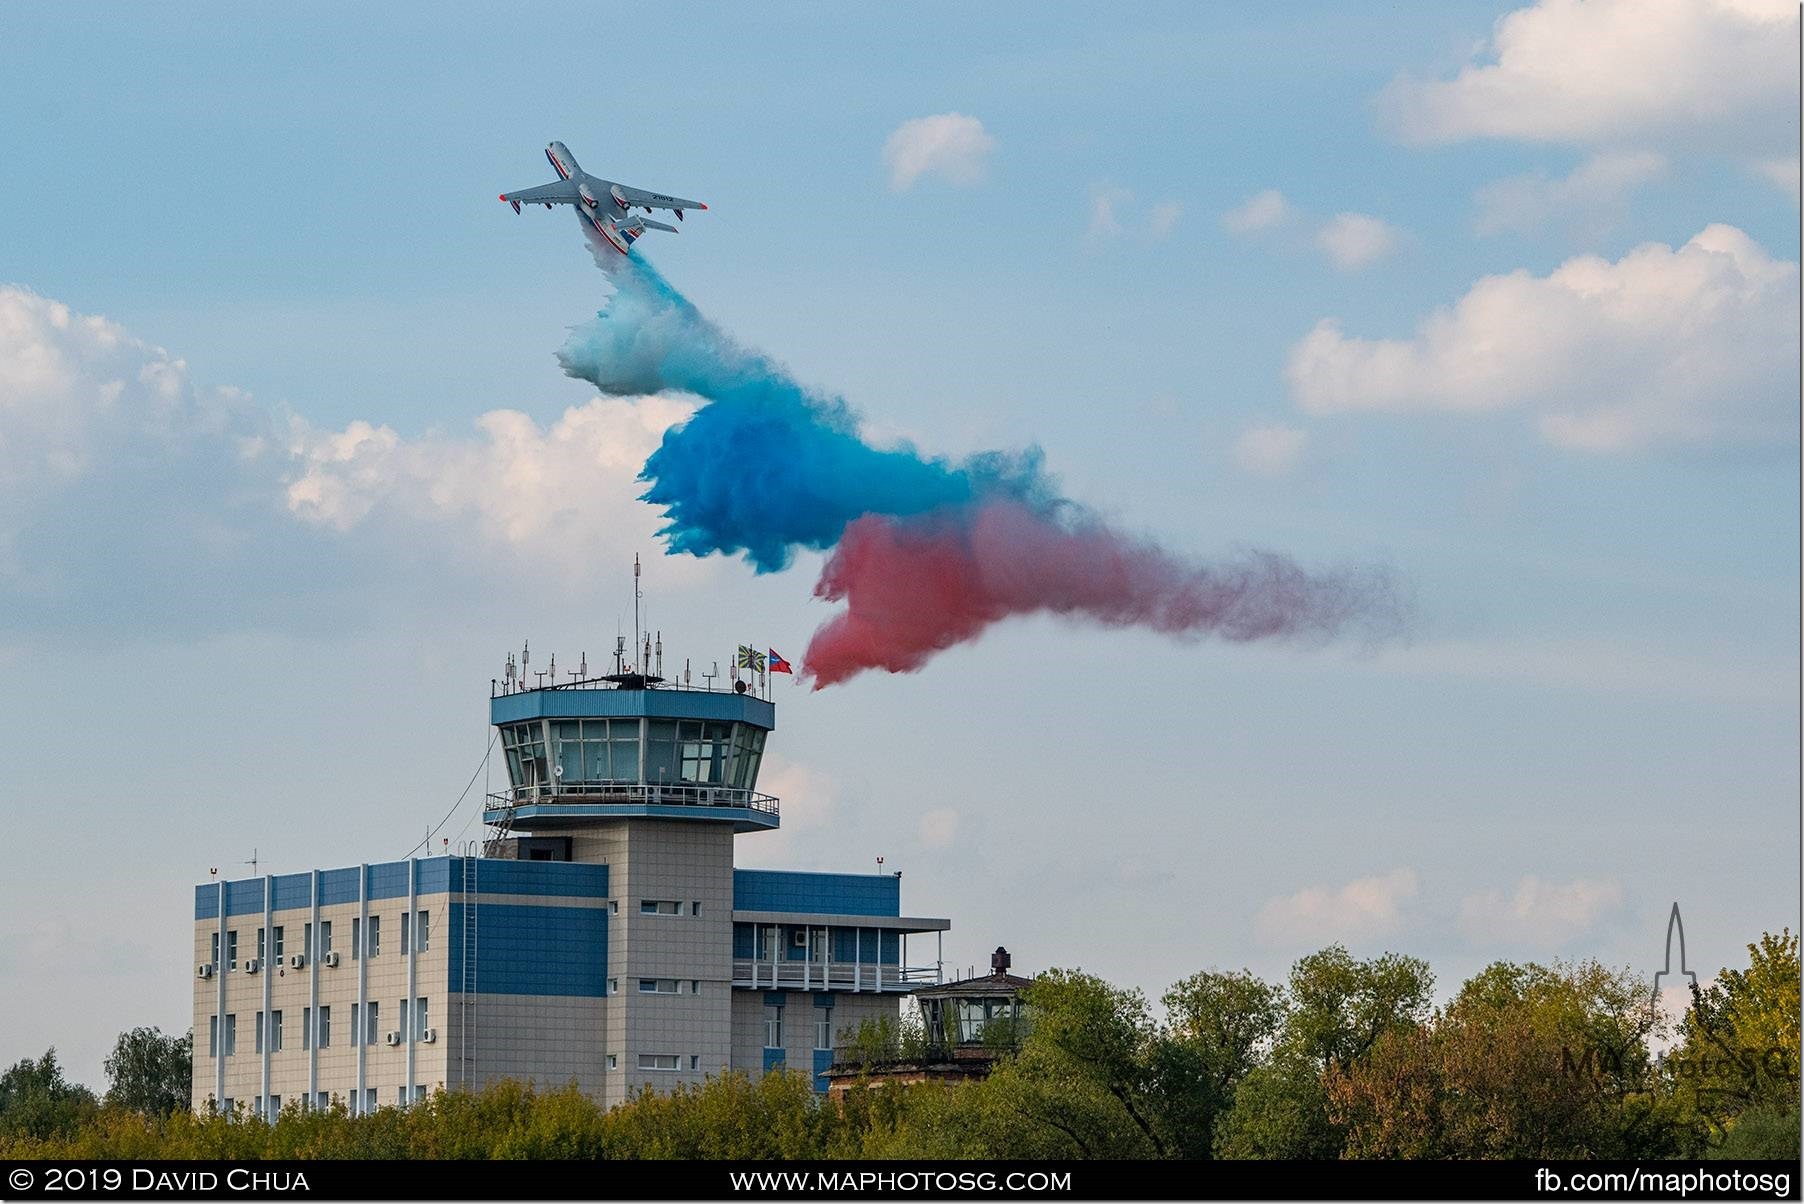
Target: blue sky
[{"x": 1585, "y": 470}]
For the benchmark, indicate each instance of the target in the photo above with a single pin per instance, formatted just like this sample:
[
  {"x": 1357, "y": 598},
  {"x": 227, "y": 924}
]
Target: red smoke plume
[{"x": 915, "y": 586}]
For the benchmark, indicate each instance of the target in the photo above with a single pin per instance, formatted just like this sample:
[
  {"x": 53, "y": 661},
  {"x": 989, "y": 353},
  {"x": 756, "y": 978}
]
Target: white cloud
[
  {"x": 1357, "y": 240},
  {"x": 939, "y": 827},
  {"x": 1590, "y": 199},
  {"x": 809, "y": 802},
  {"x": 1537, "y": 913},
  {"x": 1262, "y": 211},
  {"x": 1162, "y": 219},
  {"x": 1693, "y": 345},
  {"x": 514, "y": 487},
  {"x": 1602, "y": 72},
  {"x": 1782, "y": 173},
  {"x": 1104, "y": 221},
  {"x": 1270, "y": 451},
  {"x": 950, "y": 145},
  {"x": 1318, "y": 915},
  {"x": 135, "y": 503},
  {"x": 1113, "y": 215}
]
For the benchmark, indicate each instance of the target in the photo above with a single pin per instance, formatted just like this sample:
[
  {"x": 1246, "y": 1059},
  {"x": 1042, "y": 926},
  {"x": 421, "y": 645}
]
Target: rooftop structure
[{"x": 601, "y": 934}]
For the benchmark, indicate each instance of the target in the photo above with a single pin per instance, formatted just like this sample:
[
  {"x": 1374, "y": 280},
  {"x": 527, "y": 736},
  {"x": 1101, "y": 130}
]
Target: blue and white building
[{"x": 602, "y": 936}]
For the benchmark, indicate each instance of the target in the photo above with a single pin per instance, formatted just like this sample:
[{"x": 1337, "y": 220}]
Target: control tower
[{"x": 600, "y": 934}]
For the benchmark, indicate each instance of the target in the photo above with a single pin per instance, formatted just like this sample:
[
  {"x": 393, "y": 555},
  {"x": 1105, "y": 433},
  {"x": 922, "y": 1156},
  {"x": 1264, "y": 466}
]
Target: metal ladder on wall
[{"x": 467, "y": 983}]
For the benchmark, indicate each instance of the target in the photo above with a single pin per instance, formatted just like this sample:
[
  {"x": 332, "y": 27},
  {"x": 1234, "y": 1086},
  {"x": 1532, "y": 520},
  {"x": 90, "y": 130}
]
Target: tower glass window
[
  {"x": 703, "y": 747},
  {"x": 524, "y": 746},
  {"x": 747, "y": 749},
  {"x": 661, "y": 751}
]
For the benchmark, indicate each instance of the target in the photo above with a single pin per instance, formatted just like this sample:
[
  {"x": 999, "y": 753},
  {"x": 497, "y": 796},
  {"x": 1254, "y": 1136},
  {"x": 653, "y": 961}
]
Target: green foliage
[
  {"x": 1335, "y": 1010},
  {"x": 1345, "y": 1059},
  {"x": 1527, "y": 1061},
  {"x": 150, "y": 1072},
  {"x": 38, "y": 1103},
  {"x": 1764, "y": 1131},
  {"x": 1737, "y": 1052}
]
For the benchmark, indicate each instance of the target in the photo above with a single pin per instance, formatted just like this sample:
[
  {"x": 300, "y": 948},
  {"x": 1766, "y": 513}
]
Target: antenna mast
[{"x": 636, "y": 596}]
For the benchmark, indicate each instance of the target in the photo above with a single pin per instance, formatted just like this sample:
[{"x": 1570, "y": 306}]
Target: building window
[
  {"x": 420, "y": 1024},
  {"x": 213, "y": 1035},
  {"x": 613, "y": 907},
  {"x": 695, "y": 908},
  {"x": 419, "y": 1093},
  {"x": 275, "y": 1032},
  {"x": 657, "y": 1061},
  {"x": 262, "y": 950},
  {"x": 369, "y": 1099},
  {"x": 275, "y": 950},
  {"x": 356, "y": 1039},
  {"x": 657, "y": 986},
  {"x": 695, "y": 986},
  {"x": 406, "y": 924},
  {"x": 375, "y": 935},
  {"x": 325, "y": 1100},
  {"x": 422, "y": 932},
  {"x": 401, "y": 1096},
  {"x": 258, "y": 1047},
  {"x": 275, "y": 1108},
  {"x": 613, "y": 986},
  {"x": 325, "y": 937},
  {"x": 773, "y": 1028},
  {"x": 307, "y": 941},
  {"x": 695, "y": 1061},
  {"x": 232, "y": 949},
  {"x": 401, "y": 1017},
  {"x": 660, "y": 907},
  {"x": 613, "y": 1061},
  {"x": 213, "y": 950},
  {"x": 823, "y": 1028},
  {"x": 325, "y": 1026},
  {"x": 231, "y": 1034},
  {"x": 356, "y": 937},
  {"x": 306, "y": 1028},
  {"x": 372, "y": 1030},
  {"x": 228, "y": 1105}
]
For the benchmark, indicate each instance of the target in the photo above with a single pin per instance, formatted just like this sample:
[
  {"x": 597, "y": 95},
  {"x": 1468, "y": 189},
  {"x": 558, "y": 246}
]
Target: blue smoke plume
[{"x": 767, "y": 465}]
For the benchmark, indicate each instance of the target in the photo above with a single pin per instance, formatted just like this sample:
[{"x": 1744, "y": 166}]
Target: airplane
[{"x": 602, "y": 203}]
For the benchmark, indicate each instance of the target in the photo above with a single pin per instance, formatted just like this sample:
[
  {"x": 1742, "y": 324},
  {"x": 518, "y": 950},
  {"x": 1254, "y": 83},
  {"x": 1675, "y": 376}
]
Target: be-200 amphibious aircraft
[{"x": 602, "y": 203}]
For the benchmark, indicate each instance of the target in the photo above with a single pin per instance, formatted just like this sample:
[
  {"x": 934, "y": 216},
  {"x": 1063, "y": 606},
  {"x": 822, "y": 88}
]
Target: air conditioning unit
[
  {"x": 331, "y": 959},
  {"x": 297, "y": 960},
  {"x": 429, "y": 1036},
  {"x": 393, "y": 1037},
  {"x": 250, "y": 965},
  {"x": 801, "y": 938},
  {"x": 204, "y": 970}
]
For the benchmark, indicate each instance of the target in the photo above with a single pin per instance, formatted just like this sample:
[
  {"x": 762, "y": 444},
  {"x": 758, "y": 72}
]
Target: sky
[{"x": 1502, "y": 298}]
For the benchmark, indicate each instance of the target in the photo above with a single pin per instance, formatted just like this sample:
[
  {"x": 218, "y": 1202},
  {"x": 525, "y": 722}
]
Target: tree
[
  {"x": 36, "y": 1101},
  {"x": 1220, "y": 1025},
  {"x": 1527, "y": 1061},
  {"x": 1085, "y": 1070},
  {"x": 1738, "y": 1050},
  {"x": 1336, "y": 1010},
  {"x": 151, "y": 1073}
]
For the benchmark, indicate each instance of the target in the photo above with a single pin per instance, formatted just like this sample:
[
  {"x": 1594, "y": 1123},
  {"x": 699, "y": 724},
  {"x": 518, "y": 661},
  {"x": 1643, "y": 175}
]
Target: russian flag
[{"x": 779, "y": 665}]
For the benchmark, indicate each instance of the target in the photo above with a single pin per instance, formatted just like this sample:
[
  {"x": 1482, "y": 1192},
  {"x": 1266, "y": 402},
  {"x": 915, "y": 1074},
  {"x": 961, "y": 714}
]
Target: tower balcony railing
[
  {"x": 663, "y": 794},
  {"x": 760, "y": 974}
]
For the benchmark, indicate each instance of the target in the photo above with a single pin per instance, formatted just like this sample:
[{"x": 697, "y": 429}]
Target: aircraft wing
[
  {"x": 639, "y": 198},
  {"x": 559, "y": 192}
]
